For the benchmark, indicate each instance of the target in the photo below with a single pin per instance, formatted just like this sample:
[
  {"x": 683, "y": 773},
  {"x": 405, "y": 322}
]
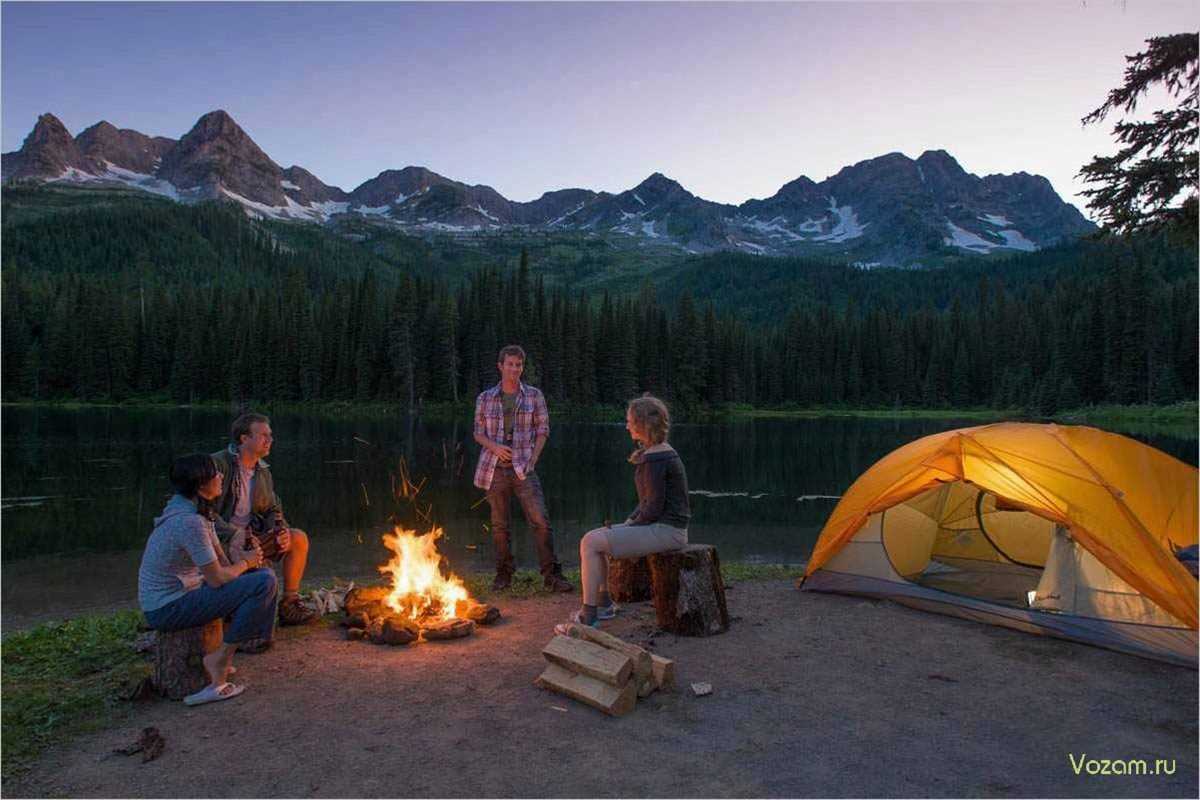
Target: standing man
[
  {"x": 248, "y": 506},
  {"x": 512, "y": 425}
]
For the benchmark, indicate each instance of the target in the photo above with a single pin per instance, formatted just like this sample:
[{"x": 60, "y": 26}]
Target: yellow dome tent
[{"x": 1062, "y": 530}]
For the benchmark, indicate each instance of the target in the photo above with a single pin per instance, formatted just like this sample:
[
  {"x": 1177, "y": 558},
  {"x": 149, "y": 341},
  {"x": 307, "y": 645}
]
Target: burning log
[
  {"x": 398, "y": 631},
  {"x": 448, "y": 629},
  {"x": 369, "y": 600},
  {"x": 603, "y": 671},
  {"x": 479, "y": 613}
]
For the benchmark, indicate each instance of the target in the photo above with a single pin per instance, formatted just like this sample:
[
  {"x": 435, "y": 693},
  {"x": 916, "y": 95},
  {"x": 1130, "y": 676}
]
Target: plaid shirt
[{"x": 530, "y": 420}]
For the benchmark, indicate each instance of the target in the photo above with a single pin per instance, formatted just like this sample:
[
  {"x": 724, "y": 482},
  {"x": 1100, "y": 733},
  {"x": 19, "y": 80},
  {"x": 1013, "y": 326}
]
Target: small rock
[
  {"x": 702, "y": 689},
  {"x": 356, "y": 634}
]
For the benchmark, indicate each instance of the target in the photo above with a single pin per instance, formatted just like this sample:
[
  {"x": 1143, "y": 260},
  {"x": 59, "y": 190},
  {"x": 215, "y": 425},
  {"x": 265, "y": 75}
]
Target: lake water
[{"x": 81, "y": 488}]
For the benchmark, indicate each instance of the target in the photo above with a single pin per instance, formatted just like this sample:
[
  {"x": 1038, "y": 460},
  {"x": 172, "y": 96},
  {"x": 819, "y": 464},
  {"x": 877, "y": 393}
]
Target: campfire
[{"x": 421, "y": 602}]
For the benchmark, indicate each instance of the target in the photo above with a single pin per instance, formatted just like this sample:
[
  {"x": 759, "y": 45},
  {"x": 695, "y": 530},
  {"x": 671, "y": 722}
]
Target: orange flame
[{"x": 419, "y": 590}]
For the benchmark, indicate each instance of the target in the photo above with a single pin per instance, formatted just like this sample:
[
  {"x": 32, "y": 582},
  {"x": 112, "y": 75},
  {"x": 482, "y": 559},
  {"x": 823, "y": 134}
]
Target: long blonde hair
[{"x": 651, "y": 417}]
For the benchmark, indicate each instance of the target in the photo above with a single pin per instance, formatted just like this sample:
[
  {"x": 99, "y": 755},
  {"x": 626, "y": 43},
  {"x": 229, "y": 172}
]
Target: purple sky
[{"x": 731, "y": 100}]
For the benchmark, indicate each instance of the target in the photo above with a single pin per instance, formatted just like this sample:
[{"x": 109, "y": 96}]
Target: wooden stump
[
  {"x": 628, "y": 579},
  {"x": 689, "y": 595},
  {"x": 178, "y": 659}
]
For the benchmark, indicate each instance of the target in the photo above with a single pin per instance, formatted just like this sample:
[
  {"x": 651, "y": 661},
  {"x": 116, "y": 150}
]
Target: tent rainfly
[{"x": 1061, "y": 530}]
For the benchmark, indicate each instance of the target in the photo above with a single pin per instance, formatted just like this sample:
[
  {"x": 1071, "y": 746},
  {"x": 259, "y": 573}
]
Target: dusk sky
[{"x": 731, "y": 100}]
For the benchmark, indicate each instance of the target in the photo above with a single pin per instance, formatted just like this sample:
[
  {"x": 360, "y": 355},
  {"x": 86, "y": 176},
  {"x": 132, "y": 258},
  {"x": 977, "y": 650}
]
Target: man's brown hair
[
  {"x": 510, "y": 350},
  {"x": 241, "y": 426}
]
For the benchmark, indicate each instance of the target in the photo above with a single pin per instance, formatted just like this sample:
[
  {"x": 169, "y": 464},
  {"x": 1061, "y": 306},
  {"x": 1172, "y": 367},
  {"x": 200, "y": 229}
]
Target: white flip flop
[{"x": 213, "y": 694}]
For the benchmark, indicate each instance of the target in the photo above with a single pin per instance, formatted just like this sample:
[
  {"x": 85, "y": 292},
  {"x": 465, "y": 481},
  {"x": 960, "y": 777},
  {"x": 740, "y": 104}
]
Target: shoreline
[{"x": 1178, "y": 418}]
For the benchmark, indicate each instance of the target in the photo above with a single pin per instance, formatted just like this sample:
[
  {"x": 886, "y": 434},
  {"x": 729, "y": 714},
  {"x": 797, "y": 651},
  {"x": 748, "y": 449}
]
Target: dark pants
[
  {"x": 505, "y": 484},
  {"x": 248, "y": 599}
]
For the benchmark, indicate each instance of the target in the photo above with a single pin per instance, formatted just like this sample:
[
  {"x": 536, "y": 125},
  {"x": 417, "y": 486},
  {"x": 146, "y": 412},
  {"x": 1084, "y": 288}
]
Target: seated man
[{"x": 248, "y": 505}]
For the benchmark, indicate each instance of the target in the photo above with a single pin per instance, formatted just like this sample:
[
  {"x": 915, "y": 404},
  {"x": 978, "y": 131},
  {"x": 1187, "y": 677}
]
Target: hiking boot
[
  {"x": 294, "y": 612},
  {"x": 557, "y": 583},
  {"x": 501, "y": 582},
  {"x": 254, "y": 646}
]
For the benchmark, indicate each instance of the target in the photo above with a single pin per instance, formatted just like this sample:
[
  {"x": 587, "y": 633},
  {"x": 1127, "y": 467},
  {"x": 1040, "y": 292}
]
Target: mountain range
[{"x": 889, "y": 210}]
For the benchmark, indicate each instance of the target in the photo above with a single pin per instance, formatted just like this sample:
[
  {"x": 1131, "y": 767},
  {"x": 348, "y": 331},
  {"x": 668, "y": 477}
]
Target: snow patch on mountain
[
  {"x": 289, "y": 185},
  {"x": 960, "y": 237},
  {"x": 559, "y": 220},
  {"x": 1017, "y": 241},
  {"x": 774, "y": 227},
  {"x": 996, "y": 219},
  {"x": 481, "y": 210},
  {"x": 640, "y": 200},
  {"x": 139, "y": 180},
  {"x": 648, "y": 230},
  {"x": 373, "y": 211},
  {"x": 274, "y": 212},
  {"x": 847, "y": 227}
]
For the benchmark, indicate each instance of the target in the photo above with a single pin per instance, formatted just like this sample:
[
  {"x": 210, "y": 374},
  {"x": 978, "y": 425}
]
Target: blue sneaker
[{"x": 607, "y": 612}]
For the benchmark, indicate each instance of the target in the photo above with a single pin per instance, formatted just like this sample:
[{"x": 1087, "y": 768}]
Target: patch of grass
[
  {"x": 65, "y": 678},
  {"x": 740, "y": 571},
  {"x": 1178, "y": 419}
]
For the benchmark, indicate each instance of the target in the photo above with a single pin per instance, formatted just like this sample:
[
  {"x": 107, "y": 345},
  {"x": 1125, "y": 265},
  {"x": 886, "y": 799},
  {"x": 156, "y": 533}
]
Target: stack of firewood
[{"x": 603, "y": 671}]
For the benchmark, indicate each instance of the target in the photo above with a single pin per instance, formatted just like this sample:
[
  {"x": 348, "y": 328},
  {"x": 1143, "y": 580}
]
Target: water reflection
[{"x": 81, "y": 488}]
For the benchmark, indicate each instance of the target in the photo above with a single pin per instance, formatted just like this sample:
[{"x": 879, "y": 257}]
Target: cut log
[
  {"x": 448, "y": 629},
  {"x": 610, "y": 699},
  {"x": 178, "y": 659},
  {"x": 689, "y": 596},
  {"x": 628, "y": 579},
  {"x": 642, "y": 666},
  {"x": 589, "y": 659},
  {"x": 664, "y": 673}
]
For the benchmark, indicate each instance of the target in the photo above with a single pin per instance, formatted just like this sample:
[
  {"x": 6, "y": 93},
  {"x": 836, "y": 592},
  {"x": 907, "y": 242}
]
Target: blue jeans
[
  {"x": 249, "y": 598},
  {"x": 505, "y": 484}
]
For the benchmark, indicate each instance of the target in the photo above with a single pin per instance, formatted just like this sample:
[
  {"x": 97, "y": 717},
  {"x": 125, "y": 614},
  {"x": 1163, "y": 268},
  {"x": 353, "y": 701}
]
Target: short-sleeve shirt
[{"x": 180, "y": 544}]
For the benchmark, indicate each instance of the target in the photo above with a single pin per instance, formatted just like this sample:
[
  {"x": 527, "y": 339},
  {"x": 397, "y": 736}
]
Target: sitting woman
[
  {"x": 186, "y": 581},
  {"x": 659, "y": 522}
]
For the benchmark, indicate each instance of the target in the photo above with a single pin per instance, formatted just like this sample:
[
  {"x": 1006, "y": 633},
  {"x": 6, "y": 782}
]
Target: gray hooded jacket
[{"x": 182, "y": 541}]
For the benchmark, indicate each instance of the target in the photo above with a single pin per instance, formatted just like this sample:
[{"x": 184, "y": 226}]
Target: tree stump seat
[
  {"x": 178, "y": 659},
  {"x": 629, "y": 579},
  {"x": 685, "y": 585}
]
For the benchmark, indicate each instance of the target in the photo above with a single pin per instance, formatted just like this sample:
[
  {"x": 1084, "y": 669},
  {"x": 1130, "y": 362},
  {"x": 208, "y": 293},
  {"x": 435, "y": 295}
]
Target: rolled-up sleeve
[
  {"x": 480, "y": 427},
  {"x": 541, "y": 417}
]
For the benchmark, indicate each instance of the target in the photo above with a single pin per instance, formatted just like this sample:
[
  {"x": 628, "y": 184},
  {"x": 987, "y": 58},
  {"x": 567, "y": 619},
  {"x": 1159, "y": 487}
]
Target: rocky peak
[
  {"x": 48, "y": 151},
  {"x": 311, "y": 187},
  {"x": 215, "y": 155},
  {"x": 124, "y": 148}
]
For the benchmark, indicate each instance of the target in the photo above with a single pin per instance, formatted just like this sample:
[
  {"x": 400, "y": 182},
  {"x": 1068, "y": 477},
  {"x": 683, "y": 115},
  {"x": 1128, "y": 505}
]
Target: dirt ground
[{"x": 814, "y": 695}]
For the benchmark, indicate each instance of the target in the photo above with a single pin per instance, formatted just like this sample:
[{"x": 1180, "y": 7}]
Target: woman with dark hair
[
  {"x": 186, "y": 581},
  {"x": 659, "y": 523}
]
